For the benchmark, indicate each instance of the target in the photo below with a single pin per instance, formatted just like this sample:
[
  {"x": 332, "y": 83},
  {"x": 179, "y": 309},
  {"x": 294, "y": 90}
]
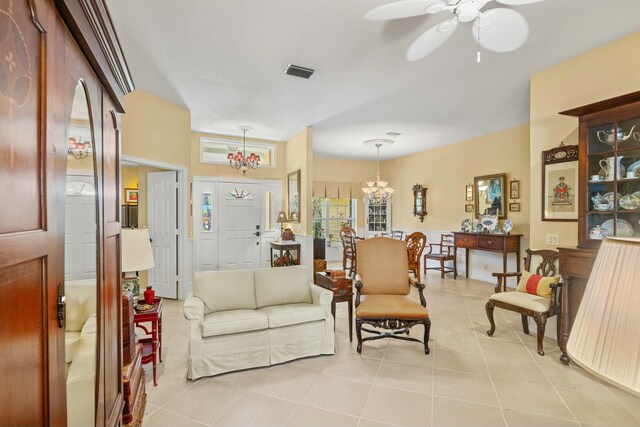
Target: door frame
[
  {"x": 213, "y": 181},
  {"x": 183, "y": 217}
]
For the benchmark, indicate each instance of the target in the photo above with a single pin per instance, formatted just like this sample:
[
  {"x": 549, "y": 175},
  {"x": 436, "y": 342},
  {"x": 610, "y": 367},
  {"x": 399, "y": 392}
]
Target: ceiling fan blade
[
  {"x": 500, "y": 30},
  {"x": 518, "y": 2},
  {"x": 431, "y": 39},
  {"x": 404, "y": 9}
]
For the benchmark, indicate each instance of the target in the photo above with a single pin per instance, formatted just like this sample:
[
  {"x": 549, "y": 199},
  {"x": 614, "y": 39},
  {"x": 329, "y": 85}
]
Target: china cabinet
[
  {"x": 377, "y": 218},
  {"x": 609, "y": 193}
]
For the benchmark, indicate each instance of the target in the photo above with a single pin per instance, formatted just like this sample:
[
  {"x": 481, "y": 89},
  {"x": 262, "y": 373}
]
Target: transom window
[{"x": 330, "y": 215}]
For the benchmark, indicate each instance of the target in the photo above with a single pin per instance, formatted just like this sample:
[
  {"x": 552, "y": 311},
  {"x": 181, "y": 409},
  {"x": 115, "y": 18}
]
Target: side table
[
  {"x": 342, "y": 288},
  {"x": 153, "y": 344},
  {"x": 284, "y": 248}
]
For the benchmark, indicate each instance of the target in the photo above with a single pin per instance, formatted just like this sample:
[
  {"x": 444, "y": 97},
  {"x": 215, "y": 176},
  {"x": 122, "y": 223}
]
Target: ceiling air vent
[{"x": 294, "y": 70}]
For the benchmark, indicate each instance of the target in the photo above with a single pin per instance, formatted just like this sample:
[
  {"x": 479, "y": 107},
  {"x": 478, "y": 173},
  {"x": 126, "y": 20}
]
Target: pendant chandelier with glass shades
[
  {"x": 240, "y": 160},
  {"x": 378, "y": 192}
]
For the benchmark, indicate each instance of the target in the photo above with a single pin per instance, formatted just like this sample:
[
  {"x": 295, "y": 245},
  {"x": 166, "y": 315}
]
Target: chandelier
[
  {"x": 78, "y": 150},
  {"x": 378, "y": 192},
  {"x": 240, "y": 160}
]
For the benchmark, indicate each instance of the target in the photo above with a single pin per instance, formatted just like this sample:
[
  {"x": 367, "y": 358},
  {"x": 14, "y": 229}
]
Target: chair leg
[
  {"x": 525, "y": 324},
  {"x": 359, "y": 335},
  {"x": 489, "y": 308},
  {"x": 427, "y": 331},
  {"x": 455, "y": 268},
  {"x": 541, "y": 321},
  {"x": 442, "y": 269},
  {"x": 344, "y": 261},
  {"x": 424, "y": 265}
]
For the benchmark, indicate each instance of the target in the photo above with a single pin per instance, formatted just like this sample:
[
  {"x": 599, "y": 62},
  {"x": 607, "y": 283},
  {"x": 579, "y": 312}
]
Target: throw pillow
[{"x": 535, "y": 284}]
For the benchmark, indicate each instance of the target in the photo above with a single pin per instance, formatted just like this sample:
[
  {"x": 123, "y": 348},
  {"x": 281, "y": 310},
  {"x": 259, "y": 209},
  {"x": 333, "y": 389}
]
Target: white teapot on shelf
[
  {"x": 608, "y": 166},
  {"x": 597, "y": 233},
  {"x": 610, "y": 137}
]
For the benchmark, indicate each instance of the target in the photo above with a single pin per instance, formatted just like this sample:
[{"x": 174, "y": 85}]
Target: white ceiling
[{"x": 224, "y": 60}]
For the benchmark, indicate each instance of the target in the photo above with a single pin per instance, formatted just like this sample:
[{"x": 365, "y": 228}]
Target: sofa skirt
[{"x": 301, "y": 340}]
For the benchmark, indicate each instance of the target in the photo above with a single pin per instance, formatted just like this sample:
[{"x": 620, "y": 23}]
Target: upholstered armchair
[
  {"x": 382, "y": 292},
  {"x": 537, "y": 295}
]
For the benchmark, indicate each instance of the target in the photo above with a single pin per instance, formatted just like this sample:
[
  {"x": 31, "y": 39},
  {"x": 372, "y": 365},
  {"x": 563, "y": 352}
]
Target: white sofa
[
  {"x": 80, "y": 351},
  {"x": 248, "y": 318}
]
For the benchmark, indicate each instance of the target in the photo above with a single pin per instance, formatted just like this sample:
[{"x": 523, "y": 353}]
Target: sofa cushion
[
  {"x": 293, "y": 314},
  {"x": 81, "y": 302},
  {"x": 522, "y": 299},
  {"x": 282, "y": 285},
  {"x": 71, "y": 340},
  {"x": 233, "y": 321},
  {"x": 390, "y": 307},
  {"x": 225, "y": 290}
]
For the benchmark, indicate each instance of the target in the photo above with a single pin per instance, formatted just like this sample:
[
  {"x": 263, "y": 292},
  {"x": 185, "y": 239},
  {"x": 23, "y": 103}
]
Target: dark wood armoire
[{"x": 46, "y": 48}]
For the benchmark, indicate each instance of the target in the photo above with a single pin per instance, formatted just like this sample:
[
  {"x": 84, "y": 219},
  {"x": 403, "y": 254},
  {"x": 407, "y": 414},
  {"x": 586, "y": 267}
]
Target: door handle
[{"x": 61, "y": 305}]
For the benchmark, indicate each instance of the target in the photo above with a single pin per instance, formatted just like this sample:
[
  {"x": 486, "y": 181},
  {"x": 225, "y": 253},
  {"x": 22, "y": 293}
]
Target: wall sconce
[{"x": 419, "y": 201}]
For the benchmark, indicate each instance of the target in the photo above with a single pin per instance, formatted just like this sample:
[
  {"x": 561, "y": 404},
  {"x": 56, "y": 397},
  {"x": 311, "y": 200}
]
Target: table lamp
[
  {"x": 282, "y": 218},
  {"x": 605, "y": 336},
  {"x": 136, "y": 256}
]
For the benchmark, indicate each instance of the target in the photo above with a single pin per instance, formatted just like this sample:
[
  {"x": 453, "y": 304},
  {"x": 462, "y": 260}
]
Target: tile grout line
[
  {"x": 373, "y": 383},
  {"x": 486, "y": 365},
  {"x": 618, "y": 400}
]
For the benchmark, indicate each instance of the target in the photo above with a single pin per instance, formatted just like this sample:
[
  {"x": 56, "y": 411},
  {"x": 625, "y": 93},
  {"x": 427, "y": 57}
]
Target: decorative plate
[
  {"x": 466, "y": 225},
  {"x": 144, "y": 307},
  {"x": 625, "y": 229},
  {"x": 489, "y": 222},
  {"x": 634, "y": 167},
  {"x": 630, "y": 201},
  {"x": 608, "y": 197},
  {"x": 508, "y": 226}
]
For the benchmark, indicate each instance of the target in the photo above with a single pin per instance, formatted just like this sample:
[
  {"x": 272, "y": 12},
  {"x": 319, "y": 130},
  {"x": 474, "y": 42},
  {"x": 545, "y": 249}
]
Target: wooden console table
[
  {"x": 499, "y": 243},
  {"x": 285, "y": 258},
  {"x": 575, "y": 266}
]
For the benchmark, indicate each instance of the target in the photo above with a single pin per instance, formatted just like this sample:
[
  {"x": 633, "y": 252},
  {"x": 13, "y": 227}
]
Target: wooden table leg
[
  {"x": 564, "y": 322},
  {"x": 154, "y": 342},
  {"x": 160, "y": 337},
  {"x": 350, "y": 302},
  {"x": 466, "y": 261}
]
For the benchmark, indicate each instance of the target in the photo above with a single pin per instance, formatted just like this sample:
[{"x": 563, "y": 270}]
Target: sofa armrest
[
  {"x": 193, "y": 308},
  {"x": 321, "y": 295}
]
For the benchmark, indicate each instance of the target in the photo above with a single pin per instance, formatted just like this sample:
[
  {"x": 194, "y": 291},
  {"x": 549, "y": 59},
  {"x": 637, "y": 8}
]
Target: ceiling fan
[{"x": 499, "y": 29}]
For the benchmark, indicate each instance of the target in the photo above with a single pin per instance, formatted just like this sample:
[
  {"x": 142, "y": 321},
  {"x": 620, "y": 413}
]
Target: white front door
[
  {"x": 162, "y": 218},
  {"x": 239, "y": 225},
  {"x": 80, "y": 228}
]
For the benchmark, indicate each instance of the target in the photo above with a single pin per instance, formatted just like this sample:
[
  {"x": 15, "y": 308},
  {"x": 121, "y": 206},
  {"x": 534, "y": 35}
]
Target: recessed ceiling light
[
  {"x": 394, "y": 133},
  {"x": 295, "y": 70}
]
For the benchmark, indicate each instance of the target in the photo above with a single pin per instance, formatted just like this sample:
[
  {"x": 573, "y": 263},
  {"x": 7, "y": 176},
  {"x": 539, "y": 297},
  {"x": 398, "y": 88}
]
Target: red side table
[{"x": 151, "y": 345}]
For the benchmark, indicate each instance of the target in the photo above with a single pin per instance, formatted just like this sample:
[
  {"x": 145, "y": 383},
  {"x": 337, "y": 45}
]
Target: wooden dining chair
[
  {"x": 415, "y": 245},
  {"x": 397, "y": 234},
  {"x": 348, "y": 238},
  {"x": 445, "y": 252}
]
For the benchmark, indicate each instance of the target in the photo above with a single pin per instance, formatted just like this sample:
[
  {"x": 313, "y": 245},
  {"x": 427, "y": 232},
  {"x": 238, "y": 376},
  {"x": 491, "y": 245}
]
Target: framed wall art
[
  {"x": 489, "y": 194},
  {"x": 560, "y": 183},
  {"x": 131, "y": 196},
  {"x": 469, "y": 193},
  {"x": 468, "y": 208},
  {"x": 514, "y": 207},
  {"x": 514, "y": 189}
]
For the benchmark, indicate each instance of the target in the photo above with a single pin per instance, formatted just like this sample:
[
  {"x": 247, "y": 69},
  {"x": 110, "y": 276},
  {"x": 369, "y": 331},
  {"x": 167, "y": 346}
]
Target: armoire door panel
[
  {"x": 21, "y": 95},
  {"x": 23, "y": 348}
]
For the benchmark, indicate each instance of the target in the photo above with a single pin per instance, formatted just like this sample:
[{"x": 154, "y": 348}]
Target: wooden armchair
[
  {"x": 537, "y": 294},
  {"x": 397, "y": 234},
  {"x": 415, "y": 245},
  {"x": 446, "y": 252},
  {"x": 382, "y": 289},
  {"x": 348, "y": 239}
]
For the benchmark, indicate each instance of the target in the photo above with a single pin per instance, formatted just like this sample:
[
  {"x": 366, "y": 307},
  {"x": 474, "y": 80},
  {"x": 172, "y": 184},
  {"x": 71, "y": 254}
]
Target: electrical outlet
[{"x": 552, "y": 239}]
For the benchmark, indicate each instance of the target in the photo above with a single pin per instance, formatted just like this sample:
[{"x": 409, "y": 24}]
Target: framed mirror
[
  {"x": 419, "y": 201},
  {"x": 81, "y": 265},
  {"x": 293, "y": 195},
  {"x": 489, "y": 194}
]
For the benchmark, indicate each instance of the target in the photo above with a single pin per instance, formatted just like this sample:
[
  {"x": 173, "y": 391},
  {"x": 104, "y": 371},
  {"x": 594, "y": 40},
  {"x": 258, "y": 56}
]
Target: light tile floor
[{"x": 468, "y": 379}]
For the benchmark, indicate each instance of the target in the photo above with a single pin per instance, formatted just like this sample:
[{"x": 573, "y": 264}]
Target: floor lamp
[
  {"x": 136, "y": 256},
  {"x": 605, "y": 336}
]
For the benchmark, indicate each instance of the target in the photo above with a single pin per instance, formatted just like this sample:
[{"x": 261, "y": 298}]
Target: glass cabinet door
[{"x": 613, "y": 180}]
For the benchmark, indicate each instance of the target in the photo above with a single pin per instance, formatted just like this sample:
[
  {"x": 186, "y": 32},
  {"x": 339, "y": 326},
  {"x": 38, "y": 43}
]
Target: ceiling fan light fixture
[
  {"x": 435, "y": 7},
  {"x": 467, "y": 11}
]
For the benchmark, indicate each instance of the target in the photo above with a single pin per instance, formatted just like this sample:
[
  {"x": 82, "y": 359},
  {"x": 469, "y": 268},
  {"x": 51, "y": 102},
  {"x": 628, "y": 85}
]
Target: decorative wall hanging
[
  {"x": 469, "y": 193},
  {"x": 419, "y": 201},
  {"x": 514, "y": 189},
  {"x": 131, "y": 196},
  {"x": 489, "y": 193},
  {"x": 560, "y": 183},
  {"x": 514, "y": 207},
  {"x": 468, "y": 208}
]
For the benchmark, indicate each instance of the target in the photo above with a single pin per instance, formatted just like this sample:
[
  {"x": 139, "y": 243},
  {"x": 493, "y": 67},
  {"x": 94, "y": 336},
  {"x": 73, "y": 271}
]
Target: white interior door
[
  {"x": 80, "y": 229},
  {"x": 162, "y": 218},
  {"x": 239, "y": 225}
]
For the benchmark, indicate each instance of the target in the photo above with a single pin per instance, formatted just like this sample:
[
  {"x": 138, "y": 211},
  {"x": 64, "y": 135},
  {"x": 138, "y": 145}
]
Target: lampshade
[
  {"x": 282, "y": 217},
  {"x": 136, "y": 250},
  {"x": 605, "y": 336}
]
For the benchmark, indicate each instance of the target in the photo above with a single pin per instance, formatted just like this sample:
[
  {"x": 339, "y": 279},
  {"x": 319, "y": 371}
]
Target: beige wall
[
  {"x": 155, "y": 129},
  {"x": 446, "y": 170},
  {"x": 599, "y": 74},
  {"x": 332, "y": 169},
  {"x": 129, "y": 177},
  {"x": 300, "y": 156},
  {"x": 224, "y": 170}
]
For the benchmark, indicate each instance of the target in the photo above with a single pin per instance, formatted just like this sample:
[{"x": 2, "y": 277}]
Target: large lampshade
[
  {"x": 605, "y": 336},
  {"x": 136, "y": 250}
]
